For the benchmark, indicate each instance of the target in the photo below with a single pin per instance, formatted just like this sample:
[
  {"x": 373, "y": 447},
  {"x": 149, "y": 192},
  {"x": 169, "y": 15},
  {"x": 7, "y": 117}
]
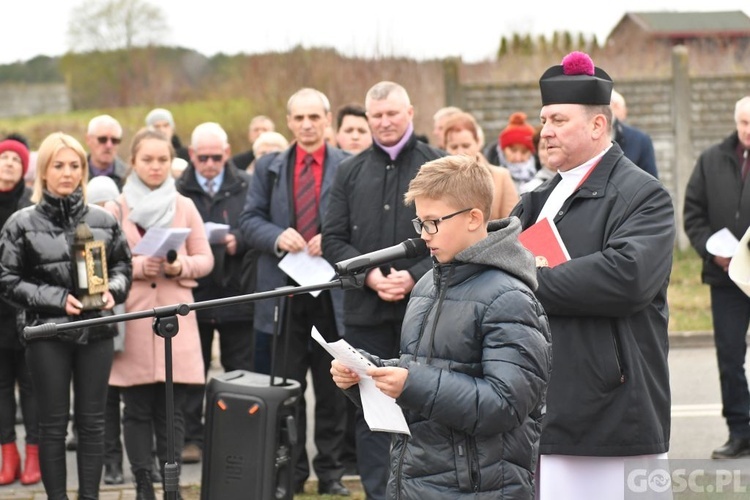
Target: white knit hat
[
  {"x": 158, "y": 115},
  {"x": 101, "y": 189}
]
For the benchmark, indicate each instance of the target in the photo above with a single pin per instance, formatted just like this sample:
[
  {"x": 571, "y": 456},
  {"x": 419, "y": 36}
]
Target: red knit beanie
[
  {"x": 517, "y": 132},
  {"x": 19, "y": 148}
]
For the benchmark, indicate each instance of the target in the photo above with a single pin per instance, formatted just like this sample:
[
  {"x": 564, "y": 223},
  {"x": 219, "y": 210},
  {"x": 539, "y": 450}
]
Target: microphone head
[
  {"x": 171, "y": 256},
  {"x": 415, "y": 247}
]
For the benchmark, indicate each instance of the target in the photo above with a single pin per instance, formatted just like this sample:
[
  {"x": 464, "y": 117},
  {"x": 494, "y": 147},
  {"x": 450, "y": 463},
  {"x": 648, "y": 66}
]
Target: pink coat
[{"x": 142, "y": 361}]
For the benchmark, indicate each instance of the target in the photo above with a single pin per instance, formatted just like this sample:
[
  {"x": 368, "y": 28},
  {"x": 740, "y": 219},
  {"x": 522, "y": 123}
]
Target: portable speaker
[{"x": 249, "y": 434}]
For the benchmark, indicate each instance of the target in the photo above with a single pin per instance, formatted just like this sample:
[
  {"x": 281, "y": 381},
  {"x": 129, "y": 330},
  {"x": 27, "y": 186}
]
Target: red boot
[
  {"x": 11, "y": 464},
  {"x": 31, "y": 473}
]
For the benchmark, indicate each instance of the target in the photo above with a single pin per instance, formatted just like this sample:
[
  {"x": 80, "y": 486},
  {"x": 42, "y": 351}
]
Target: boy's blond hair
[{"x": 459, "y": 180}]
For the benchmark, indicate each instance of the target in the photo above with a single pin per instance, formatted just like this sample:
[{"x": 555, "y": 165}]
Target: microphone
[
  {"x": 414, "y": 247},
  {"x": 171, "y": 257}
]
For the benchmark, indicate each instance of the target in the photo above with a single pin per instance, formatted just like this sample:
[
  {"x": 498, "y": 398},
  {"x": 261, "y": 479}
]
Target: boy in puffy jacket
[{"x": 475, "y": 349}]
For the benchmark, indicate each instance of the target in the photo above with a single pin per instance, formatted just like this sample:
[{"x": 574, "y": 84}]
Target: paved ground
[
  {"x": 190, "y": 477},
  {"x": 697, "y": 426}
]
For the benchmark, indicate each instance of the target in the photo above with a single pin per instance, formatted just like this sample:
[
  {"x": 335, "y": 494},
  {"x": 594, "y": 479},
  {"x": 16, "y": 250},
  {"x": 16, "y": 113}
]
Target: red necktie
[{"x": 306, "y": 204}]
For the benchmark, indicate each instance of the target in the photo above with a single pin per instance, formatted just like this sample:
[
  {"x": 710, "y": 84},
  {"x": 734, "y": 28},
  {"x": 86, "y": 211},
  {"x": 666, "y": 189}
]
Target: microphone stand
[{"x": 166, "y": 325}]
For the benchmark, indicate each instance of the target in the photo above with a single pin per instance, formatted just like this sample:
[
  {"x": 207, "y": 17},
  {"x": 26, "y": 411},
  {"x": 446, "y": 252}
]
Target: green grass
[
  {"x": 689, "y": 300},
  {"x": 233, "y": 114}
]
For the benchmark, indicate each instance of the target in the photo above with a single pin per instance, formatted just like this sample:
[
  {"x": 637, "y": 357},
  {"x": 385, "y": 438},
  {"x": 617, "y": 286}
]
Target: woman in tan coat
[
  {"x": 149, "y": 200},
  {"x": 461, "y": 136}
]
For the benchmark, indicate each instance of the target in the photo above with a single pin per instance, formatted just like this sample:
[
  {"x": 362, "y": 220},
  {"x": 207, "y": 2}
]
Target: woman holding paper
[
  {"x": 149, "y": 200},
  {"x": 36, "y": 276}
]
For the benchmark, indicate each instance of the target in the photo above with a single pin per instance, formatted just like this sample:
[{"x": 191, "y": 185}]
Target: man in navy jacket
[{"x": 272, "y": 222}]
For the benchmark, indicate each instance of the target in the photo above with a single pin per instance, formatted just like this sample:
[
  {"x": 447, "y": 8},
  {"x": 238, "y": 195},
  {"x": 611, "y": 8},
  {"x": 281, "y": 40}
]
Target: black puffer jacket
[
  {"x": 17, "y": 198},
  {"x": 476, "y": 343},
  {"x": 35, "y": 271}
]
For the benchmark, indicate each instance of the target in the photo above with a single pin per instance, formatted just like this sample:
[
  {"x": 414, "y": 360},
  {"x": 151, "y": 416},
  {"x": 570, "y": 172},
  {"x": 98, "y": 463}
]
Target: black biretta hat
[{"x": 576, "y": 81}]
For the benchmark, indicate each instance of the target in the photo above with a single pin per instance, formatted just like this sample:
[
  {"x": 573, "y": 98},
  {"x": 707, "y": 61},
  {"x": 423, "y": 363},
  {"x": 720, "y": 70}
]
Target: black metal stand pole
[{"x": 166, "y": 325}]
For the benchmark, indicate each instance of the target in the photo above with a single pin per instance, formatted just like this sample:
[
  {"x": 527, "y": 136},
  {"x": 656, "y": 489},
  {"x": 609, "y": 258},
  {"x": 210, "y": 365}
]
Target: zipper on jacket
[
  {"x": 441, "y": 298},
  {"x": 618, "y": 359},
  {"x": 405, "y": 439},
  {"x": 427, "y": 315},
  {"x": 473, "y": 462}
]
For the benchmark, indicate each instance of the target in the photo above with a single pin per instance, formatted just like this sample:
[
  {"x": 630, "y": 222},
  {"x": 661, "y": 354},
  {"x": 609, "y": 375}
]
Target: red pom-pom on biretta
[{"x": 578, "y": 63}]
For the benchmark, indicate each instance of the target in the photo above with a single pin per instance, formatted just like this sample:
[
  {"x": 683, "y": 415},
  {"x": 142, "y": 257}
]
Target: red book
[{"x": 543, "y": 240}]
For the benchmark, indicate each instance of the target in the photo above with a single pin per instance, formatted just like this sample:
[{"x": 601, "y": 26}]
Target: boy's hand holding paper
[{"x": 381, "y": 411}]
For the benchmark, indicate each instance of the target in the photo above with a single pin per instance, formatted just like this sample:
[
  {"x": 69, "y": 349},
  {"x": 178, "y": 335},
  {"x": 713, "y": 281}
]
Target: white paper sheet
[
  {"x": 381, "y": 411},
  {"x": 159, "y": 240},
  {"x": 215, "y": 232},
  {"x": 307, "y": 269},
  {"x": 722, "y": 243},
  {"x": 739, "y": 266}
]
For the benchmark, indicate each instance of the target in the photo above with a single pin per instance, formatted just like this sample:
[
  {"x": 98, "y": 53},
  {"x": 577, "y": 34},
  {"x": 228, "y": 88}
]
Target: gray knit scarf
[{"x": 150, "y": 208}]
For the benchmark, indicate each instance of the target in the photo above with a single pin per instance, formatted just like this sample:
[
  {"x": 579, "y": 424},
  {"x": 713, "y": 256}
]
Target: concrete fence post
[
  {"x": 682, "y": 124},
  {"x": 451, "y": 80}
]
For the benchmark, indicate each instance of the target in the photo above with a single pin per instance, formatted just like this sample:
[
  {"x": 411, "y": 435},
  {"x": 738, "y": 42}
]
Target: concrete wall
[
  {"x": 18, "y": 99},
  {"x": 682, "y": 114}
]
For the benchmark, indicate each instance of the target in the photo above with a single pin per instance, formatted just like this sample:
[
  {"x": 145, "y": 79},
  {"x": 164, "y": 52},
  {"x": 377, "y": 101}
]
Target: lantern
[{"x": 89, "y": 268}]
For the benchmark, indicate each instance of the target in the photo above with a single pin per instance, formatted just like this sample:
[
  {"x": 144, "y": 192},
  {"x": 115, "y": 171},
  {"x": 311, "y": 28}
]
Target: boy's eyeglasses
[
  {"x": 102, "y": 139},
  {"x": 430, "y": 226},
  {"x": 215, "y": 158}
]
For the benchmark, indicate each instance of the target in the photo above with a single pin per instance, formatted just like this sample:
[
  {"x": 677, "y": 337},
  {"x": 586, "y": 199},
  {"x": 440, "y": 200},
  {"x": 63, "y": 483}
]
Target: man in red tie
[
  {"x": 717, "y": 197},
  {"x": 282, "y": 214}
]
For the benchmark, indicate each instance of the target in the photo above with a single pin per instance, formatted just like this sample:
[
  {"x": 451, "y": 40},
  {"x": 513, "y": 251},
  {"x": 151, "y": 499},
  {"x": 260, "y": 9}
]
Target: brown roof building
[{"x": 716, "y": 41}]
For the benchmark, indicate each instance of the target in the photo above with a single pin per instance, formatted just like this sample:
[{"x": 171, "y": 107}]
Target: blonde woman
[{"x": 35, "y": 275}]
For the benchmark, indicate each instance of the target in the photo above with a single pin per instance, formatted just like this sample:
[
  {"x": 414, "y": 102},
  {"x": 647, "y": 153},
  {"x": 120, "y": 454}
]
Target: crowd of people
[{"x": 515, "y": 378}]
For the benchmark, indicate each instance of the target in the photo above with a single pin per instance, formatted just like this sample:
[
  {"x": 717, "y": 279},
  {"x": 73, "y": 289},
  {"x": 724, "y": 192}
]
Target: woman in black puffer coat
[
  {"x": 14, "y": 195},
  {"x": 36, "y": 277}
]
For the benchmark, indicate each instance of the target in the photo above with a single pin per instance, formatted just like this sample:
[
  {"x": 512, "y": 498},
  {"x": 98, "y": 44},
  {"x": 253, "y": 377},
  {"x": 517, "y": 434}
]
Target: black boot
[
  {"x": 144, "y": 487},
  {"x": 113, "y": 473}
]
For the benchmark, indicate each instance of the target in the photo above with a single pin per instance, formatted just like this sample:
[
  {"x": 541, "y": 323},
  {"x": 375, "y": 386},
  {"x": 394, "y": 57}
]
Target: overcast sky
[{"x": 417, "y": 28}]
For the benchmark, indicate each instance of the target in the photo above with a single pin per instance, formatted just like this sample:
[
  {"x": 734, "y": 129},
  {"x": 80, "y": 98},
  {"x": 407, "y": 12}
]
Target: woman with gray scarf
[{"x": 149, "y": 200}]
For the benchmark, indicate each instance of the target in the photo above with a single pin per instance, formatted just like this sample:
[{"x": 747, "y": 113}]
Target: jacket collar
[
  {"x": 410, "y": 144},
  {"x": 454, "y": 272},
  {"x": 189, "y": 182},
  {"x": 284, "y": 158},
  {"x": 592, "y": 187},
  {"x": 63, "y": 210},
  {"x": 596, "y": 183}
]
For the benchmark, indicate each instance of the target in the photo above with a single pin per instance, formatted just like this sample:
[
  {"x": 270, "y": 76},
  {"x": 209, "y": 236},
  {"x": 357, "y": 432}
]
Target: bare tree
[{"x": 115, "y": 24}]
